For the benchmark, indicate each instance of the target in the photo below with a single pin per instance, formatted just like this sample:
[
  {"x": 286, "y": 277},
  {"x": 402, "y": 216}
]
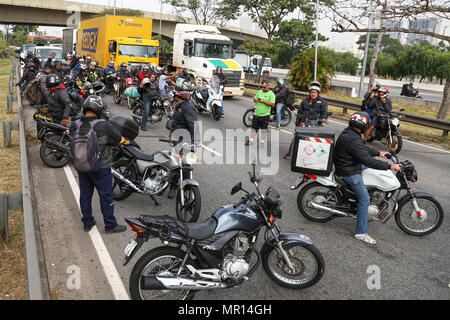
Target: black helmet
[
  {"x": 185, "y": 72},
  {"x": 94, "y": 104},
  {"x": 359, "y": 120},
  {"x": 52, "y": 80},
  {"x": 29, "y": 65},
  {"x": 219, "y": 69},
  {"x": 123, "y": 65},
  {"x": 57, "y": 62}
]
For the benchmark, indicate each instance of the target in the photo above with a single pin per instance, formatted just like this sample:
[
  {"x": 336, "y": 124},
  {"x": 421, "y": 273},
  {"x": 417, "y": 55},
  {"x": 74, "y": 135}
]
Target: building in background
[{"x": 433, "y": 24}]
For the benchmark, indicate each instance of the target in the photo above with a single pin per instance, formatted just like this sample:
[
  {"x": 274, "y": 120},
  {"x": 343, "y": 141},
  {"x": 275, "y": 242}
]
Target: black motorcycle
[
  {"x": 218, "y": 252},
  {"x": 286, "y": 116},
  {"x": 387, "y": 127},
  {"x": 160, "y": 106},
  {"x": 150, "y": 174}
]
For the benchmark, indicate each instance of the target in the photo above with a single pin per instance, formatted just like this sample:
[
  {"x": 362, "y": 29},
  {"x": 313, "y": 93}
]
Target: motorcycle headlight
[
  {"x": 91, "y": 91},
  {"x": 395, "y": 121},
  {"x": 166, "y": 103},
  {"x": 190, "y": 158}
]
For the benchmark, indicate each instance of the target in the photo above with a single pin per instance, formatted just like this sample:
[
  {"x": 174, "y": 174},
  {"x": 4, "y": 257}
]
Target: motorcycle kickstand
[{"x": 156, "y": 201}]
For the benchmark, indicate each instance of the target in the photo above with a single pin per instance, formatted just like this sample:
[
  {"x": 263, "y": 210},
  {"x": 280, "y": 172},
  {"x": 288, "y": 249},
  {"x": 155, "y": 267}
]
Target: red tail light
[{"x": 135, "y": 228}]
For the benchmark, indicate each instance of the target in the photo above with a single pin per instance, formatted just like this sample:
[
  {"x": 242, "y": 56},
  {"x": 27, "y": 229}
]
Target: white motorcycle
[
  {"x": 417, "y": 213},
  {"x": 209, "y": 97}
]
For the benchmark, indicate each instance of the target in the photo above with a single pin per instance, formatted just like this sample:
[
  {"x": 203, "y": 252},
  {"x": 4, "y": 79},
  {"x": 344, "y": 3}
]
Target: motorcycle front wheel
[
  {"x": 54, "y": 157},
  {"x": 117, "y": 97},
  {"x": 306, "y": 259},
  {"x": 397, "y": 143},
  {"x": 192, "y": 204},
  {"x": 248, "y": 117},
  {"x": 162, "y": 261},
  {"x": 429, "y": 220},
  {"x": 217, "y": 112},
  {"x": 319, "y": 194}
]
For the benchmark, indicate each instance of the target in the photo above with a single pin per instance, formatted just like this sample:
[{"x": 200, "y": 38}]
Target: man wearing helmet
[
  {"x": 82, "y": 77},
  {"x": 57, "y": 69},
  {"x": 164, "y": 78},
  {"x": 281, "y": 93},
  {"x": 48, "y": 68},
  {"x": 351, "y": 156},
  {"x": 223, "y": 80},
  {"x": 58, "y": 100},
  {"x": 382, "y": 105},
  {"x": 144, "y": 73},
  {"x": 27, "y": 76},
  {"x": 122, "y": 74},
  {"x": 108, "y": 137}
]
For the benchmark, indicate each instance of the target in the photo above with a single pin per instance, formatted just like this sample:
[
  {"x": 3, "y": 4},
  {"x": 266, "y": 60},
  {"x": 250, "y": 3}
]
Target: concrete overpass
[{"x": 66, "y": 13}]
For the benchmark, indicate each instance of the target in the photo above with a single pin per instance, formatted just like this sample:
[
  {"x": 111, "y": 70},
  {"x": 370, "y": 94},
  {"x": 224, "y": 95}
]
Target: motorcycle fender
[
  {"x": 189, "y": 182},
  {"x": 289, "y": 240},
  {"x": 405, "y": 198},
  {"x": 326, "y": 181}
]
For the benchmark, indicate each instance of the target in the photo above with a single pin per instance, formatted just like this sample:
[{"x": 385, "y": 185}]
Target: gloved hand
[{"x": 124, "y": 141}]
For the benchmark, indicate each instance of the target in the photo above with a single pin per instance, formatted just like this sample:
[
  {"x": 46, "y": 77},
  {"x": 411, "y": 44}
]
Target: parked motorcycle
[
  {"x": 209, "y": 97},
  {"x": 159, "y": 108},
  {"x": 417, "y": 213},
  {"x": 218, "y": 251},
  {"x": 120, "y": 87},
  {"x": 387, "y": 127},
  {"x": 150, "y": 174},
  {"x": 286, "y": 116}
]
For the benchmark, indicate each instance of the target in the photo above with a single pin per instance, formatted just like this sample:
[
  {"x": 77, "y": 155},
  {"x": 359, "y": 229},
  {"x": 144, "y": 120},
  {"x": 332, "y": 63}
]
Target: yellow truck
[{"x": 118, "y": 38}]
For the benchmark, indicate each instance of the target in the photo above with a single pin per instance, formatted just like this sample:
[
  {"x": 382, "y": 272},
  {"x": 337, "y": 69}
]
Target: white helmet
[{"x": 145, "y": 81}]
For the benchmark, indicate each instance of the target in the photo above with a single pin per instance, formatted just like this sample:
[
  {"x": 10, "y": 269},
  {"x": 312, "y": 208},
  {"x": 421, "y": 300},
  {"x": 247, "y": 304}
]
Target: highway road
[{"x": 409, "y": 267}]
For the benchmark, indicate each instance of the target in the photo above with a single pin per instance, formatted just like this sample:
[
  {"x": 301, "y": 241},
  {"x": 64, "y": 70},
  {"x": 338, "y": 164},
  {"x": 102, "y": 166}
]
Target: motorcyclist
[
  {"x": 58, "y": 69},
  {"x": 28, "y": 76},
  {"x": 382, "y": 105},
  {"x": 281, "y": 93},
  {"x": 314, "y": 106},
  {"x": 223, "y": 80},
  {"x": 184, "y": 74},
  {"x": 48, "y": 68},
  {"x": 59, "y": 103},
  {"x": 109, "y": 79},
  {"x": 351, "y": 157},
  {"x": 370, "y": 97},
  {"x": 83, "y": 77},
  {"x": 144, "y": 73},
  {"x": 122, "y": 74},
  {"x": 94, "y": 73},
  {"x": 163, "y": 80},
  {"x": 148, "y": 89},
  {"x": 184, "y": 117}
]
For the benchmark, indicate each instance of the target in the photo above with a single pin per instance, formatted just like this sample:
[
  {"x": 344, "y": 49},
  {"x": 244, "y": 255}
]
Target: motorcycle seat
[
  {"x": 202, "y": 230},
  {"x": 57, "y": 126},
  {"x": 139, "y": 154}
]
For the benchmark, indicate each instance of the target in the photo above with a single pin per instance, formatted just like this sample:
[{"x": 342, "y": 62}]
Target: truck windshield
[
  {"x": 212, "y": 50},
  {"x": 267, "y": 62},
  {"x": 45, "y": 53},
  {"x": 129, "y": 50}
]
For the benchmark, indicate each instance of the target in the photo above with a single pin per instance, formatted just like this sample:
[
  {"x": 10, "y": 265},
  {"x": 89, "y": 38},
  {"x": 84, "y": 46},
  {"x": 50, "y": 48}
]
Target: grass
[{"x": 13, "y": 274}]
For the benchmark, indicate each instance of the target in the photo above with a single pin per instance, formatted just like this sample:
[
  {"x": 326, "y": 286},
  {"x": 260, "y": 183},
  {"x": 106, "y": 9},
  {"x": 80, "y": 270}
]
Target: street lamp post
[
  {"x": 160, "y": 14},
  {"x": 114, "y": 7},
  {"x": 317, "y": 38},
  {"x": 366, "y": 48}
]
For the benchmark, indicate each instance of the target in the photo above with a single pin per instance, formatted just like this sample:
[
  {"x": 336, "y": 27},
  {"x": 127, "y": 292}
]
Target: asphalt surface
[{"x": 409, "y": 267}]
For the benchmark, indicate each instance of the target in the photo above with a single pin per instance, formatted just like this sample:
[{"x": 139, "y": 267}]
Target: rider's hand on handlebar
[
  {"x": 396, "y": 167},
  {"x": 324, "y": 120},
  {"x": 124, "y": 141},
  {"x": 383, "y": 154}
]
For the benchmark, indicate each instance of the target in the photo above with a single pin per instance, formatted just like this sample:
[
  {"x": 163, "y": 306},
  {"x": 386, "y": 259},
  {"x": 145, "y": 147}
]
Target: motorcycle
[
  {"x": 219, "y": 250},
  {"x": 209, "y": 97},
  {"x": 150, "y": 174},
  {"x": 408, "y": 92},
  {"x": 417, "y": 213},
  {"x": 160, "y": 107},
  {"x": 387, "y": 127},
  {"x": 120, "y": 89},
  {"x": 286, "y": 116}
]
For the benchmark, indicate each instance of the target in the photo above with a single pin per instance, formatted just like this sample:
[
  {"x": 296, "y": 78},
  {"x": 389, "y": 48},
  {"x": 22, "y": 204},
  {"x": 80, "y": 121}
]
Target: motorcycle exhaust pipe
[
  {"x": 177, "y": 283},
  {"x": 58, "y": 145},
  {"x": 323, "y": 208},
  {"x": 125, "y": 180}
]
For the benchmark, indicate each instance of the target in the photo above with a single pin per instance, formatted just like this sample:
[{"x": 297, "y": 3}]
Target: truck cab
[
  {"x": 134, "y": 52},
  {"x": 201, "y": 49}
]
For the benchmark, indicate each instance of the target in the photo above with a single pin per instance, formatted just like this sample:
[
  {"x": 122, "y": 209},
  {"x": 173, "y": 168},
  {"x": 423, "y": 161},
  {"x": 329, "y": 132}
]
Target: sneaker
[
  {"x": 116, "y": 229},
  {"x": 262, "y": 142},
  {"x": 248, "y": 142},
  {"x": 365, "y": 238},
  {"x": 87, "y": 229},
  {"x": 278, "y": 127},
  {"x": 287, "y": 156},
  {"x": 172, "y": 193},
  {"x": 143, "y": 129}
]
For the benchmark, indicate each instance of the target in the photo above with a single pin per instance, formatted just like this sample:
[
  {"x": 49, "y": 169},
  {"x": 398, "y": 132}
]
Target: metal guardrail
[{"x": 443, "y": 125}]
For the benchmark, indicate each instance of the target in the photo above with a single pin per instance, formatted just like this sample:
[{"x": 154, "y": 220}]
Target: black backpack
[{"x": 290, "y": 98}]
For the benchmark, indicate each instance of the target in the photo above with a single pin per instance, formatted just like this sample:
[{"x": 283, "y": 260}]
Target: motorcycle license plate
[{"x": 130, "y": 247}]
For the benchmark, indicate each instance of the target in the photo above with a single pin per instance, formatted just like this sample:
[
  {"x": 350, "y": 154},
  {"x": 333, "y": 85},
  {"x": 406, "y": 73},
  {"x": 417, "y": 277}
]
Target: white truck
[
  {"x": 201, "y": 49},
  {"x": 251, "y": 64}
]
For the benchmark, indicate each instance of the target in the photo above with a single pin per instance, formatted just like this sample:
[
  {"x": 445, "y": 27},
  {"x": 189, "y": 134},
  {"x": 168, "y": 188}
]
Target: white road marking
[
  {"x": 111, "y": 273},
  {"x": 211, "y": 150}
]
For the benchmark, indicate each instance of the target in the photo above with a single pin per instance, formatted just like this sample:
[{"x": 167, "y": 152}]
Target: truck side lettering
[{"x": 89, "y": 40}]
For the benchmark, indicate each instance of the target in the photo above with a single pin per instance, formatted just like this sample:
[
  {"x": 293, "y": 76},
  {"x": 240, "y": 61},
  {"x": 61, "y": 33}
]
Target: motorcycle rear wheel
[
  {"x": 164, "y": 261},
  {"x": 192, "y": 204},
  {"x": 286, "y": 117},
  {"x": 52, "y": 157},
  {"x": 308, "y": 262},
  {"x": 318, "y": 193},
  {"x": 117, "y": 97}
]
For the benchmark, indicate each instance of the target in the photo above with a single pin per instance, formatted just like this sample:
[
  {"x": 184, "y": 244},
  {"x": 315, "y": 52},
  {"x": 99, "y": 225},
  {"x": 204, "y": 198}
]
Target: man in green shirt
[{"x": 265, "y": 100}]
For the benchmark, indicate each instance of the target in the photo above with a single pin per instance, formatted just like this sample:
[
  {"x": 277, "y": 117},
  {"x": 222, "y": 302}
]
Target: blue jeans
[
  {"x": 357, "y": 185},
  {"x": 102, "y": 181},
  {"x": 147, "y": 104},
  {"x": 279, "y": 107},
  {"x": 223, "y": 108}
]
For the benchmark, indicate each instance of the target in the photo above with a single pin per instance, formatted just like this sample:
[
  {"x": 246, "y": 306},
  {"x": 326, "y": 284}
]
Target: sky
[{"x": 155, "y": 5}]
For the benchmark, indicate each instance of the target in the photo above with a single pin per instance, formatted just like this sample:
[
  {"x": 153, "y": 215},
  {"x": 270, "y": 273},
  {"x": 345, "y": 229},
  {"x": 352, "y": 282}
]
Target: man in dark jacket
[
  {"x": 42, "y": 81},
  {"x": 184, "y": 118},
  {"x": 281, "y": 93},
  {"x": 107, "y": 136},
  {"x": 59, "y": 103},
  {"x": 28, "y": 76},
  {"x": 148, "y": 89},
  {"x": 381, "y": 105},
  {"x": 351, "y": 157},
  {"x": 58, "y": 69}
]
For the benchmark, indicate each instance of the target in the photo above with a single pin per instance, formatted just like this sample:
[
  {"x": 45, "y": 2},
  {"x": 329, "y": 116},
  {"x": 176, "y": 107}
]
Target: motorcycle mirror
[
  {"x": 236, "y": 188},
  {"x": 402, "y": 109}
]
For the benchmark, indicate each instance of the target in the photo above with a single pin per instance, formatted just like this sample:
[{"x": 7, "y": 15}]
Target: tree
[
  {"x": 120, "y": 12},
  {"x": 205, "y": 11},
  {"x": 39, "y": 41},
  {"x": 388, "y": 45},
  {"x": 19, "y": 34},
  {"x": 353, "y": 16},
  {"x": 301, "y": 73},
  {"x": 269, "y": 14},
  {"x": 295, "y": 36},
  {"x": 344, "y": 62}
]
